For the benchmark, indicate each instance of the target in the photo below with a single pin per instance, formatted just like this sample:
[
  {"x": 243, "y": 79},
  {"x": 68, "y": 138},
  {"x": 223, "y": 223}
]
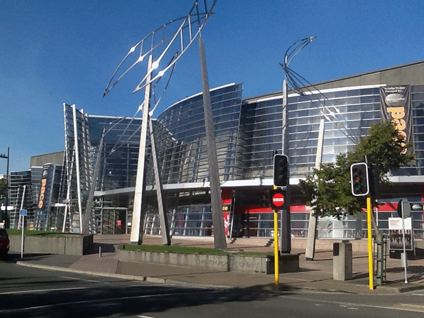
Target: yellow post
[
  {"x": 370, "y": 259},
  {"x": 276, "y": 260}
]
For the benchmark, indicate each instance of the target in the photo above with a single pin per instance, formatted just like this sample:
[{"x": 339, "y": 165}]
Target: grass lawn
[
  {"x": 188, "y": 250},
  {"x": 36, "y": 233}
]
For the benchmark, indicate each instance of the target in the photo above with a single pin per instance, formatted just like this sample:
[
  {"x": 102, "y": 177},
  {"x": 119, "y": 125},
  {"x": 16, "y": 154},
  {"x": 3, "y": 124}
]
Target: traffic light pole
[
  {"x": 370, "y": 259},
  {"x": 276, "y": 252},
  {"x": 282, "y": 179},
  {"x": 361, "y": 187}
]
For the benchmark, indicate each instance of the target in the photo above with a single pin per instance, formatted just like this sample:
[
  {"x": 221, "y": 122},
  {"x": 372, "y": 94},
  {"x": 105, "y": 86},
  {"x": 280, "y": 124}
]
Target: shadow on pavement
[
  {"x": 121, "y": 300},
  {"x": 103, "y": 247}
]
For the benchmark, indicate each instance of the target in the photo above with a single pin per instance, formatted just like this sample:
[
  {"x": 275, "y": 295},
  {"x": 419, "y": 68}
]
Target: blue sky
[{"x": 55, "y": 51}]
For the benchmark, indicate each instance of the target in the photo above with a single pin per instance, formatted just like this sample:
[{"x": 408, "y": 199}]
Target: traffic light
[
  {"x": 281, "y": 170},
  {"x": 359, "y": 179},
  {"x": 404, "y": 209}
]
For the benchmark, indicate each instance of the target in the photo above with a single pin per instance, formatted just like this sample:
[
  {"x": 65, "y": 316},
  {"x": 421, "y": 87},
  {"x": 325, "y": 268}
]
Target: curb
[
  {"x": 146, "y": 279},
  {"x": 77, "y": 271},
  {"x": 281, "y": 288}
]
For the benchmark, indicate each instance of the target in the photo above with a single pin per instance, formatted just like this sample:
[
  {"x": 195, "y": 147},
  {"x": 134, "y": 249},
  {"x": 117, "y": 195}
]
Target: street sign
[
  {"x": 277, "y": 199},
  {"x": 23, "y": 212}
]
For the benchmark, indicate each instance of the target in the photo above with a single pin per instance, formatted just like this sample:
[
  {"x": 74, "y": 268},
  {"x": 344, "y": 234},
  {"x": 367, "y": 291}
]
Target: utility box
[{"x": 342, "y": 260}]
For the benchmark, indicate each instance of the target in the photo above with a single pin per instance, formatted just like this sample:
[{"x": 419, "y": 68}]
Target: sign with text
[
  {"x": 396, "y": 107},
  {"x": 396, "y": 234}
]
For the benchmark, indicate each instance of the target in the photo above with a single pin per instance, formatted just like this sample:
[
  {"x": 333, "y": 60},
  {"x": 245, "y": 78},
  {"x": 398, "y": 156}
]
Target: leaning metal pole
[
  {"x": 74, "y": 112},
  {"x": 137, "y": 217},
  {"x": 89, "y": 211},
  {"x": 312, "y": 227},
  {"x": 159, "y": 190},
  {"x": 215, "y": 187}
]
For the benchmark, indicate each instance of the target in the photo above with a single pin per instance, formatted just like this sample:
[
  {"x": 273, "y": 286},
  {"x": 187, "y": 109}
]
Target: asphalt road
[{"x": 30, "y": 292}]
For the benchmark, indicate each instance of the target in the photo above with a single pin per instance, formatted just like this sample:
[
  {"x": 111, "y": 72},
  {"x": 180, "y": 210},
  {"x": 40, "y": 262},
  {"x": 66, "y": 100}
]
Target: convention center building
[{"x": 248, "y": 132}]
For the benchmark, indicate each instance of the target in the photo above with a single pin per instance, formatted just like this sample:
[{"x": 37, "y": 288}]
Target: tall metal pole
[
  {"x": 158, "y": 180},
  {"x": 369, "y": 230},
  {"x": 77, "y": 159},
  {"x": 137, "y": 217},
  {"x": 285, "y": 214},
  {"x": 312, "y": 227},
  {"x": 7, "y": 186},
  {"x": 215, "y": 187},
  {"x": 6, "y": 223},
  {"x": 89, "y": 210},
  {"x": 405, "y": 258},
  {"x": 290, "y": 54}
]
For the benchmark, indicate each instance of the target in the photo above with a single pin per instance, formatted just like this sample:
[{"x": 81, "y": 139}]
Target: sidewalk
[{"x": 314, "y": 275}]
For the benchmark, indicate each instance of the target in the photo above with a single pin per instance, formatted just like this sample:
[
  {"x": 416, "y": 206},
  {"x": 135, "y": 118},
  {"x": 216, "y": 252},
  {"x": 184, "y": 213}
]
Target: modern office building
[
  {"x": 39, "y": 191},
  {"x": 248, "y": 133}
]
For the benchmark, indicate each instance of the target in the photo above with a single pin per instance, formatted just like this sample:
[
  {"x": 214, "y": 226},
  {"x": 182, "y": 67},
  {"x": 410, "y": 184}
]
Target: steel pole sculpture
[
  {"x": 215, "y": 186},
  {"x": 183, "y": 33},
  {"x": 290, "y": 54}
]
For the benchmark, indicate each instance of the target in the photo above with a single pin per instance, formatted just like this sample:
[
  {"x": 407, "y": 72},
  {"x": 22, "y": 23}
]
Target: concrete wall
[
  {"x": 61, "y": 244},
  {"x": 231, "y": 263}
]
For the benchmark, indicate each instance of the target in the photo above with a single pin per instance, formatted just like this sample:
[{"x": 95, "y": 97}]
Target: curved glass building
[{"x": 248, "y": 133}]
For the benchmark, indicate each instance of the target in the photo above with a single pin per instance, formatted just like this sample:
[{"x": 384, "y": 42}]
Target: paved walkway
[{"x": 314, "y": 275}]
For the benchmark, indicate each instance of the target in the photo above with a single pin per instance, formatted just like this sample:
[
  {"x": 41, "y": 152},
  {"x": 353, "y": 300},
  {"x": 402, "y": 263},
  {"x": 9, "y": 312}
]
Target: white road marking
[
  {"x": 410, "y": 307},
  {"x": 402, "y": 307},
  {"x": 103, "y": 300},
  {"x": 84, "y": 280},
  {"x": 29, "y": 291}
]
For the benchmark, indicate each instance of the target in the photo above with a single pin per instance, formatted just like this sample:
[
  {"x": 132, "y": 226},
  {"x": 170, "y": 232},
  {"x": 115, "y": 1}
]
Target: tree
[
  {"x": 328, "y": 189},
  {"x": 2, "y": 188}
]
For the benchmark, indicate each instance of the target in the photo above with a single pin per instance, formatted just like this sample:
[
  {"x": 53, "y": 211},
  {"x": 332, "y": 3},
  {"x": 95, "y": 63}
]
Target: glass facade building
[{"x": 248, "y": 132}]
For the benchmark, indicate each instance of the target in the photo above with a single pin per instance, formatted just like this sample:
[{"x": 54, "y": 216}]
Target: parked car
[{"x": 4, "y": 243}]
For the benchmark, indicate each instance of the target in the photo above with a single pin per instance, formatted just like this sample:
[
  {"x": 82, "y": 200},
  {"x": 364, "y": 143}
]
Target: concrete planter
[
  {"x": 230, "y": 263},
  {"x": 60, "y": 244}
]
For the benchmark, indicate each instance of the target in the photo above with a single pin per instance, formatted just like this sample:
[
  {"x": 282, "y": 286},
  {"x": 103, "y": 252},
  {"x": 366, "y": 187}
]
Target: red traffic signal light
[
  {"x": 359, "y": 179},
  {"x": 281, "y": 170}
]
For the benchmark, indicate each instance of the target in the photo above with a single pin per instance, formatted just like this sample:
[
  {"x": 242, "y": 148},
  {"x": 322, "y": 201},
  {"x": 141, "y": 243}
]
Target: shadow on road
[{"x": 125, "y": 301}]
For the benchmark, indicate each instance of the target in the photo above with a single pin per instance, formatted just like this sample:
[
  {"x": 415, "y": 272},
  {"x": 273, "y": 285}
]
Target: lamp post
[
  {"x": 290, "y": 54},
  {"x": 7, "y": 186}
]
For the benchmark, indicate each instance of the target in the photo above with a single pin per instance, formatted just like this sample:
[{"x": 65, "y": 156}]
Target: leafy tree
[
  {"x": 2, "y": 188},
  {"x": 328, "y": 189}
]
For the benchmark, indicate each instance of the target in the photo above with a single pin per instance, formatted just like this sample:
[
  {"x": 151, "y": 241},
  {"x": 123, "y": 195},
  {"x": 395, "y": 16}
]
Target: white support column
[
  {"x": 215, "y": 186},
  {"x": 163, "y": 217},
  {"x": 74, "y": 112},
  {"x": 312, "y": 227},
  {"x": 89, "y": 211},
  {"x": 137, "y": 234}
]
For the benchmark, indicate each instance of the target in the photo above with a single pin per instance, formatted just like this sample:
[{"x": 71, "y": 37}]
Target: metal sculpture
[{"x": 179, "y": 34}]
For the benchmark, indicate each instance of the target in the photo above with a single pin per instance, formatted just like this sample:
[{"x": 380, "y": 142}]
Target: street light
[{"x": 7, "y": 186}]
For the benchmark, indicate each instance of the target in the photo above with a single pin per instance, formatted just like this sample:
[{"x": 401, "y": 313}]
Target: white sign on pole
[
  {"x": 396, "y": 223},
  {"x": 396, "y": 234}
]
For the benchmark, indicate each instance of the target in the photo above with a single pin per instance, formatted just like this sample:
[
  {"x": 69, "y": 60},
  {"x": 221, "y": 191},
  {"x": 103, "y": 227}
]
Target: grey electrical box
[{"x": 342, "y": 260}]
